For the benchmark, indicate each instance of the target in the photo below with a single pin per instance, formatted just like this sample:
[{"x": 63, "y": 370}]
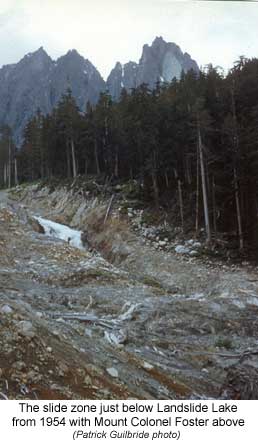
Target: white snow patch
[{"x": 60, "y": 231}]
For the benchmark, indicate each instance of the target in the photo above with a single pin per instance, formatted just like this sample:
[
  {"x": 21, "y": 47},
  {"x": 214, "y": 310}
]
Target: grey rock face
[
  {"x": 122, "y": 76},
  {"x": 80, "y": 75},
  {"x": 38, "y": 82},
  {"x": 23, "y": 88},
  {"x": 161, "y": 61}
]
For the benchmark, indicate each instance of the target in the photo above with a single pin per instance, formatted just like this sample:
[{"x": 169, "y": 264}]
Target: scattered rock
[
  {"x": 116, "y": 338},
  {"x": 6, "y": 309},
  {"x": 182, "y": 250},
  {"x": 193, "y": 253},
  {"x": 112, "y": 372},
  {"x": 197, "y": 245},
  {"x": 147, "y": 365},
  {"x": 26, "y": 329},
  {"x": 62, "y": 369},
  {"x": 39, "y": 314},
  {"x": 19, "y": 365},
  {"x": 190, "y": 242},
  {"x": 87, "y": 380}
]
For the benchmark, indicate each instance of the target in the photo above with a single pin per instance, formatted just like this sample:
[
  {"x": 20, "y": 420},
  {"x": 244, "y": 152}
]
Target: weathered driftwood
[
  {"x": 85, "y": 318},
  {"x": 108, "y": 209},
  {"x": 240, "y": 356}
]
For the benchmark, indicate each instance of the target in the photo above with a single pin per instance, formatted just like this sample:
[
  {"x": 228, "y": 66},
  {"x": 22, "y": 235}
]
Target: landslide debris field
[{"x": 122, "y": 315}]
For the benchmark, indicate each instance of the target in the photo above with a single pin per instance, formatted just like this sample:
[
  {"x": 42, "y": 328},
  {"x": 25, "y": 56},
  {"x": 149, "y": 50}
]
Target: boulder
[
  {"x": 112, "y": 372},
  {"x": 26, "y": 329},
  {"x": 6, "y": 309},
  {"x": 182, "y": 250}
]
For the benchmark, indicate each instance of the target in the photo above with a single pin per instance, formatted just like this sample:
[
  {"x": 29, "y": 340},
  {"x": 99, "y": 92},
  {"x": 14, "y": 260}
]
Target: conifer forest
[{"x": 192, "y": 142}]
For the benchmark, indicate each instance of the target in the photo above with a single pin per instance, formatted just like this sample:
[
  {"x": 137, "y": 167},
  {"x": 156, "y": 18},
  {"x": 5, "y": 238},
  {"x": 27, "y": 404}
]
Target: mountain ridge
[{"x": 38, "y": 81}]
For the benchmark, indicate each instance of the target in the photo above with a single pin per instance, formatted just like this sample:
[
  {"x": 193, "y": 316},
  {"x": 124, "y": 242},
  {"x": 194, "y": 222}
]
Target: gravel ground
[{"x": 155, "y": 325}]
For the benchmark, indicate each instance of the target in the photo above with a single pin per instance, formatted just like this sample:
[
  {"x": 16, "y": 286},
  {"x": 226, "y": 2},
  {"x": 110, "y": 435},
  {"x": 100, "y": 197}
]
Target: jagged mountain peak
[
  {"x": 37, "y": 81},
  {"x": 73, "y": 53},
  {"x": 74, "y": 60},
  {"x": 160, "y": 61},
  {"x": 118, "y": 65},
  {"x": 39, "y": 53},
  {"x": 35, "y": 61},
  {"x": 158, "y": 42}
]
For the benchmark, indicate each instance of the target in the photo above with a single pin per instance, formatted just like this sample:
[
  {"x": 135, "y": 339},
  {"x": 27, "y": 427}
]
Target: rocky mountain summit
[
  {"x": 161, "y": 62},
  {"x": 37, "y": 81}
]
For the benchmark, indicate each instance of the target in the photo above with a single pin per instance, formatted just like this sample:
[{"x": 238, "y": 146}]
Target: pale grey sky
[{"x": 106, "y": 31}]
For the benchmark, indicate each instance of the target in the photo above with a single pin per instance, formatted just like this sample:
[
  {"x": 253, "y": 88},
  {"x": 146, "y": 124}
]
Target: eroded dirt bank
[{"x": 122, "y": 318}]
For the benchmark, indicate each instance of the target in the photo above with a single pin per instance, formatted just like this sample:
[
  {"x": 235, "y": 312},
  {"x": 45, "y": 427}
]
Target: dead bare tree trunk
[
  {"x": 16, "y": 182},
  {"x": 179, "y": 184},
  {"x": 188, "y": 171},
  {"x": 180, "y": 197},
  {"x": 166, "y": 179},
  {"x": 155, "y": 181},
  {"x": 9, "y": 164},
  {"x": 204, "y": 190},
  {"x": 155, "y": 188},
  {"x": 116, "y": 165},
  {"x": 236, "y": 182},
  {"x": 108, "y": 208},
  {"x": 68, "y": 160},
  {"x": 96, "y": 157},
  {"x": 197, "y": 195},
  {"x": 73, "y": 158},
  {"x": 42, "y": 165},
  {"x": 214, "y": 206},
  {"x": 238, "y": 210},
  {"x": 5, "y": 175}
]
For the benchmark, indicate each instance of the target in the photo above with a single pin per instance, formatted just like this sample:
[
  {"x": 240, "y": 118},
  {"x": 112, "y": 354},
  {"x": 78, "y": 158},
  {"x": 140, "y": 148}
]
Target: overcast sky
[{"x": 106, "y": 31}]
